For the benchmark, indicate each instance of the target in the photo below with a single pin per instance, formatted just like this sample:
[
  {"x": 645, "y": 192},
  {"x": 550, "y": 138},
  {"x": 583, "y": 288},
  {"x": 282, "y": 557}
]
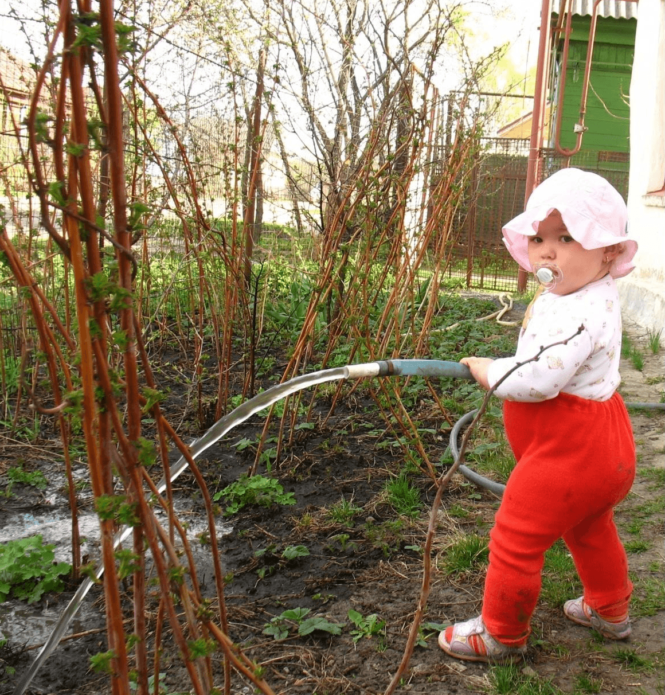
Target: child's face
[{"x": 553, "y": 244}]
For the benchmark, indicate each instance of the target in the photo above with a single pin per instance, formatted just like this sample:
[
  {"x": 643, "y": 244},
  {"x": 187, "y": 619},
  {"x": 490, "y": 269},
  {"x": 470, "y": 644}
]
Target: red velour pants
[{"x": 575, "y": 462}]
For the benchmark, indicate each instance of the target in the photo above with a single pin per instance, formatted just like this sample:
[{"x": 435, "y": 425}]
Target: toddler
[{"x": 566, "y": 424}]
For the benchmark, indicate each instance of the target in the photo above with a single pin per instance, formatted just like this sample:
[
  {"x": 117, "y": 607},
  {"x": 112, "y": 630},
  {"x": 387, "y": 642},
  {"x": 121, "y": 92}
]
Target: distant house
[
  {"x": 643, "y": 291},
  {"x": 18, "y": 82},
  {"x": 521, "y": 127}
]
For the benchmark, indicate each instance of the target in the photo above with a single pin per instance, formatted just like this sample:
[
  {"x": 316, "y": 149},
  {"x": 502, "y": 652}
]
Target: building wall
[
  {"x": 607, "y": 115},
  {"x": 643, "y": 291}
]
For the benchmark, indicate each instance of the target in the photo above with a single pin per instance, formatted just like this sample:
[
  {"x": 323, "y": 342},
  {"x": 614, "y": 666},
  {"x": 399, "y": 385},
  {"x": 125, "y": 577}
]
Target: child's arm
[{"x": 545, "y": 377}]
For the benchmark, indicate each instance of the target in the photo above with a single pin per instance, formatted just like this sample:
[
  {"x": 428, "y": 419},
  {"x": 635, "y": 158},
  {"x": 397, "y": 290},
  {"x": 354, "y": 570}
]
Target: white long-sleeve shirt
[{"x": 587, "y": 366}]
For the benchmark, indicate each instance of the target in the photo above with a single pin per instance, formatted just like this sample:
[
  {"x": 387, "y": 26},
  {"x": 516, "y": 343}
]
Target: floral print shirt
[{"x": 586, "y": 366}]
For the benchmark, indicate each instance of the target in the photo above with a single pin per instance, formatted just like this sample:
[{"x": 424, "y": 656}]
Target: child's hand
[{"x": 479, "y": 367}]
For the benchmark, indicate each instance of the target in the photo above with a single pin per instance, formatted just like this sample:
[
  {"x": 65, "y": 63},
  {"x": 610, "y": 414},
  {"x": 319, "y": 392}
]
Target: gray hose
[
  {"x": 476, "y": 478},
  {"x": 491, "y": 485}
]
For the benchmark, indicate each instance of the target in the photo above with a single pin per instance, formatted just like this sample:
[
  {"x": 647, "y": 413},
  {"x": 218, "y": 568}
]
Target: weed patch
[
  {"x": 403, "y": 497},
  {"x": 509, "y": 680},
  {"x": 648, "y": 597},
  {"x": 255, "y": 490},
  {"x": 342, "y": 512},
  {"x": 560, "y": 580},
  {"x": 28, "y": 570},
  {"x": 468, "y": 553}
]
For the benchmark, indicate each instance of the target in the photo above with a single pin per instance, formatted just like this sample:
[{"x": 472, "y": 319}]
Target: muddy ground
[{"x": 363, "y": 556}]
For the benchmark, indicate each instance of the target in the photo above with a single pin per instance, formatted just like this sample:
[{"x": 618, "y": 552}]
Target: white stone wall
[{"x": 643, "y": 291}]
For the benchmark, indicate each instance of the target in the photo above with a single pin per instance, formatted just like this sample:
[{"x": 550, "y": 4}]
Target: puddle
[{"x": 32, "y": 624}]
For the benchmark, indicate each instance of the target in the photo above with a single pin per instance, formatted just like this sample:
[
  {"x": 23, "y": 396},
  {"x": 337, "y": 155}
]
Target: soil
[{"x": 370, "y": 563}]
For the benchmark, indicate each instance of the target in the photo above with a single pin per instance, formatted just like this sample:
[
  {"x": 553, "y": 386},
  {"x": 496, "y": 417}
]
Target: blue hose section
[{"x": 425, "y": 368}]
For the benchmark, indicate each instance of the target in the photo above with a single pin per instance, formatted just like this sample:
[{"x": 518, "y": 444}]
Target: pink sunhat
[{"x": 591, "y": 208}]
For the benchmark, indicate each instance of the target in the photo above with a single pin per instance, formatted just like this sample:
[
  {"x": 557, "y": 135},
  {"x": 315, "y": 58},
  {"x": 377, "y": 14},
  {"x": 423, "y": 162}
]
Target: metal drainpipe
[
  {"x": 579, "y": 126},
  {"x": 535, "y": 146}
]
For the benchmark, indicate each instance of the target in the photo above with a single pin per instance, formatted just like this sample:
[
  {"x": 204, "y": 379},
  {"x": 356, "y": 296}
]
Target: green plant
[
  {"x": 255, "y": 490},
  {"x": 292, "y": 552},
  {"x": 631, "y": 659},
  {"x": 343, "y": 540},
  {"x": 426, "y": 630},
  {"x": 280, "y": 625},
  {"x": 468, "y": 553},
  {"x": 585, "y": 683},
  {"x": 510, "y": 680},
  {"x": 654, "y": 337},
  {"x": 626, "y": 346},
  {"x": 637, "y": 546},
  {"x": 493, "y": 456},
  {"x": 458, "y": 511},
  {"x": 366, "y": 627},
  {"x": 33, "y": 478},
  {"x": 648, "y": 598},
  {"x": 560, "y": 580},
  {"x": 101, "y": 662},
  {"x": 28, "y": 570},
  {"x": 342, "y": 512},
  {"x": 387, "y": 536},
  {"x": 637, "y": 359},
  {"x": 403, "y": 497},
  {"x": 656, "y": 475}
]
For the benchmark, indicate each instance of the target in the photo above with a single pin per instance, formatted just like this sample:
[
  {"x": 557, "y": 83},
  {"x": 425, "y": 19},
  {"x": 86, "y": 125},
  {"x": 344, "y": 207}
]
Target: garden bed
[{"x": 348, "y": 552}]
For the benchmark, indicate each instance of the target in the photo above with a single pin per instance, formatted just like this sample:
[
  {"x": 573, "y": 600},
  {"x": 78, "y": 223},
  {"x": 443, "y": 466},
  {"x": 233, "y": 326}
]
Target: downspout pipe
[
  {"x": 540, "y": 92},
  {"x": 579, "y": 127}
]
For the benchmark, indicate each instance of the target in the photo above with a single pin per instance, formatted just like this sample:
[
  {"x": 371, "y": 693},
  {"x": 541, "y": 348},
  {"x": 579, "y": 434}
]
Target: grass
[
  {"x": 630, "y": 352},
  {"x": 457, "y": 511},
  {"x": 637, "y": 546},
  {"x": 584, "y": 683},
  {"x": 653, "y": 338},
  {"x": 403, "y": 497},
  {"x": 467, "y": 554},
  {"x": 386, "y": 536},
  {"x": 655, "y": 475},
  {"x": 510, "y": 680},
  {"x": 631, "y": 659},
  {"x": 648, "y": 597},
  {"x": 342, "y": 512},
  {"x": 560, "y": 580},
  {"x": 493, "y": 455}
]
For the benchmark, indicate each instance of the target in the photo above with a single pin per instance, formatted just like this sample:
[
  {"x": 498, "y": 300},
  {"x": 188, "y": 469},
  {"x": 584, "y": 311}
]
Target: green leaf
[
  {"x": 27, "y": 570},
  {"x": 308, "y": 626},
  {"x": 276, "y": 631},
  {"x": 292, "y": 552},
  {"x": 295, "y": 614}
]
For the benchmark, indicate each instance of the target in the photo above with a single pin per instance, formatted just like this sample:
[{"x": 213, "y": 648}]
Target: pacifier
[{"x": 548, "y": 274}]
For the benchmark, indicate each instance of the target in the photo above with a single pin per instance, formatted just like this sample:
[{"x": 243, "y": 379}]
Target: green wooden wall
[{"x": 607, "y": 115}]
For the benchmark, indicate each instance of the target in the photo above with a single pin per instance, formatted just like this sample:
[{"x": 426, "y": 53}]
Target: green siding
[{"x": 608, "y": 124}]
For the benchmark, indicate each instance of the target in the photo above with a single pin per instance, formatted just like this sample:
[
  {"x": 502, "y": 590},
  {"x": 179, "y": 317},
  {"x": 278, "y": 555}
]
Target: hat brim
[{"x": 583, "y": 229}]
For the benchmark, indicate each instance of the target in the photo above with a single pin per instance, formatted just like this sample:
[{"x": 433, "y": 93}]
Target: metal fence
[{"x": 496, "y": 194}]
